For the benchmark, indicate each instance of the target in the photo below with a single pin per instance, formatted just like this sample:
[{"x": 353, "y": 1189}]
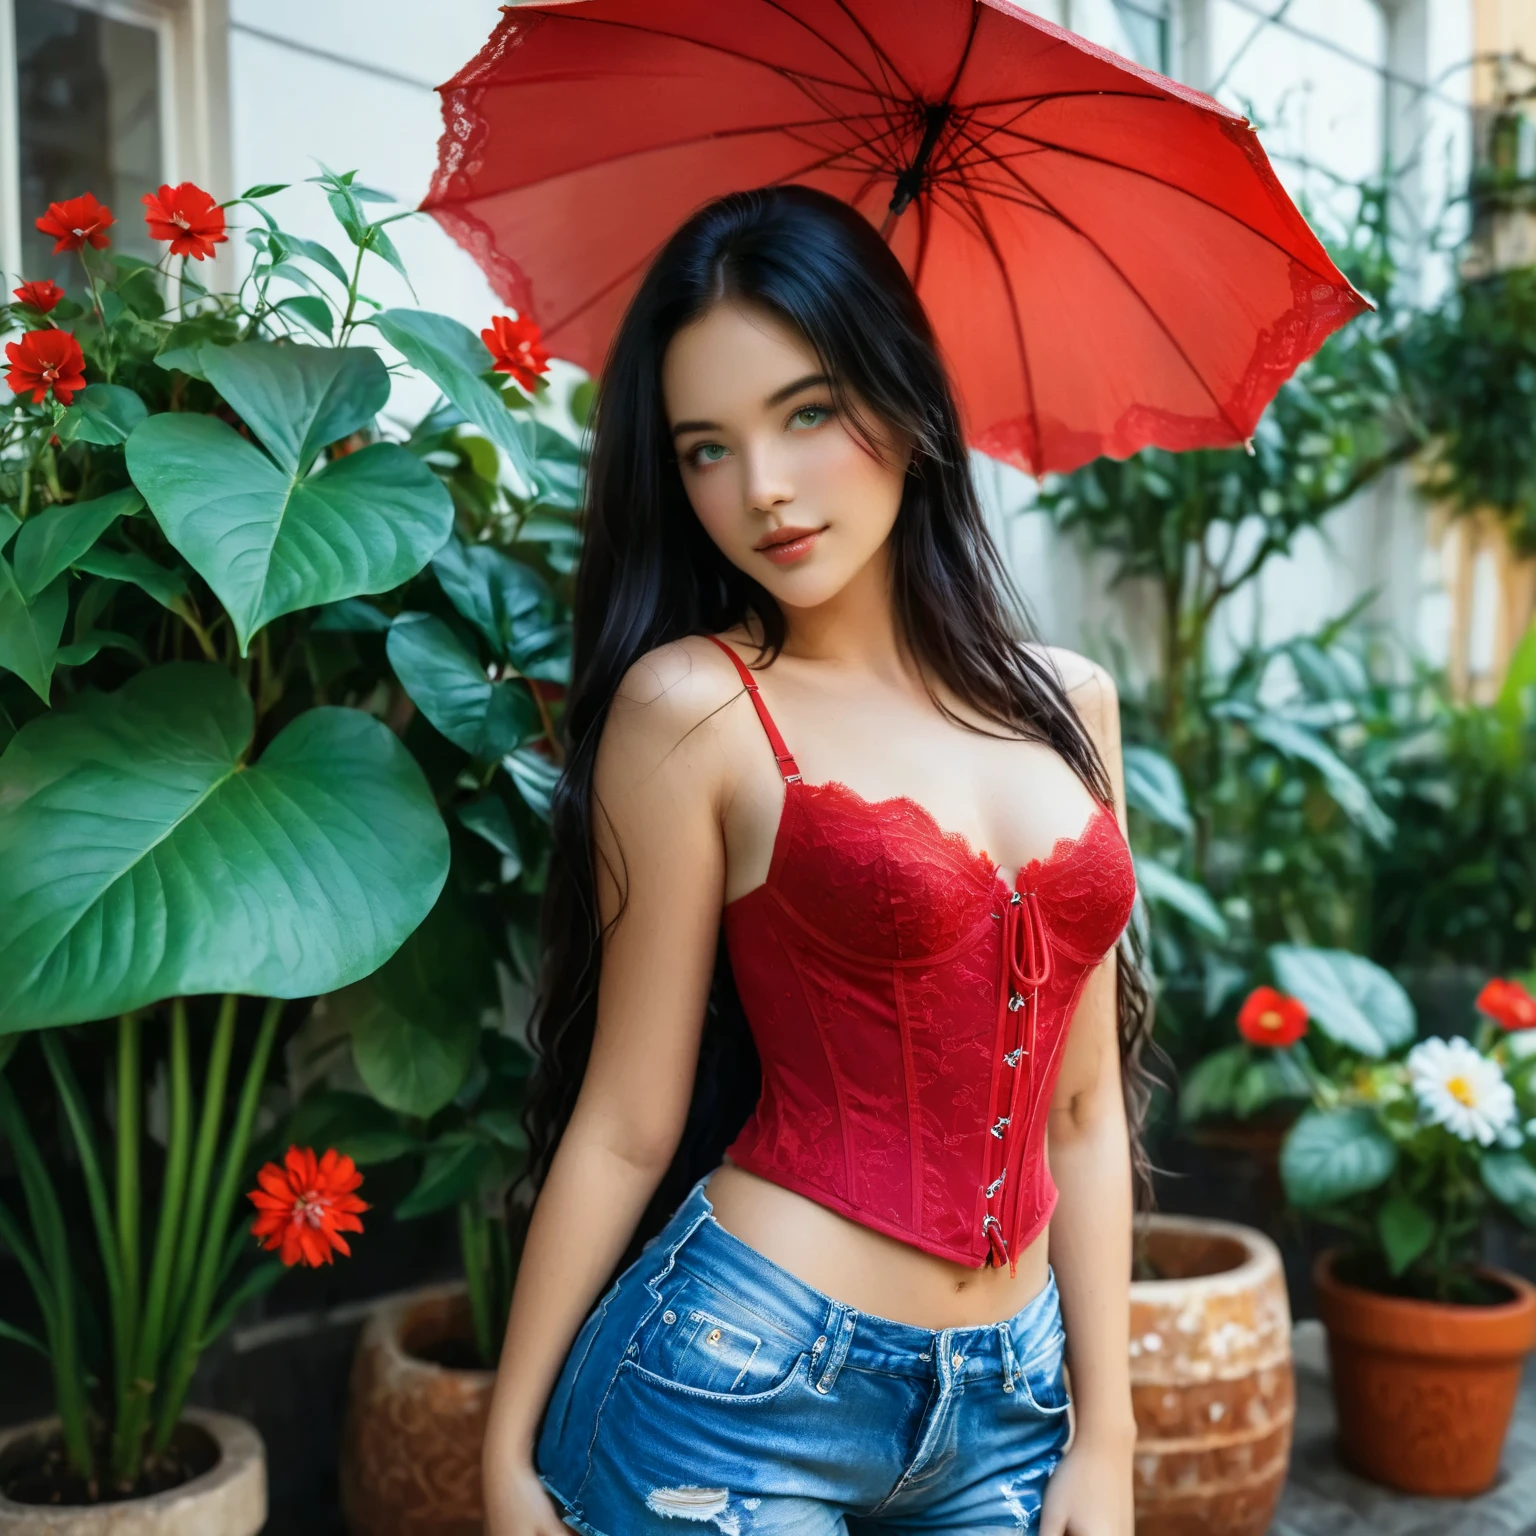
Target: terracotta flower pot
[
  {"x": 410, "y": 1459},
  {"x": 229, "y": 1499},
  {"x": 1424, "y": 1390},
  {"x": 1211, "y": 1379}
]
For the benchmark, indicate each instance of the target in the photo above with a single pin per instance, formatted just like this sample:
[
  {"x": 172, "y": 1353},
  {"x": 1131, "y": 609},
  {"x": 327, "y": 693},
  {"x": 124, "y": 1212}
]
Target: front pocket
[
  {"x": 1043, "y": 1377},
  {"x": 698, "y": 1340}
]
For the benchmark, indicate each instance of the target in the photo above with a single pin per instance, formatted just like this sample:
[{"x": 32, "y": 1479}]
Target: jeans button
[
  {"x": 669, "y": 1316},
  {"x": 957, "y": 1360}
]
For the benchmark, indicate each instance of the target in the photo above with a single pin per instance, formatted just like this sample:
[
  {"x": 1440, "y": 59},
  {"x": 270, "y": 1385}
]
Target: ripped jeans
[{"x": 711, "y": 1386}]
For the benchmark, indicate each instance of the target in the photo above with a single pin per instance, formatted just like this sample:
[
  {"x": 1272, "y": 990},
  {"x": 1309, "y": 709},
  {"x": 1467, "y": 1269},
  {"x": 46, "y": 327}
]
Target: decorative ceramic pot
[
  {"x": 1211, "y": 1379},
  {"x": 410, "y": 1458},
  {"x": 229, "y": 1499},
  {"x": 1425, "y": 1390}
]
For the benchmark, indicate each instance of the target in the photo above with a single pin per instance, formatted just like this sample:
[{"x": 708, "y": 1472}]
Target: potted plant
[
  {"x": 1408, "y": 1148},
  {"x": 206, "y": 806}
]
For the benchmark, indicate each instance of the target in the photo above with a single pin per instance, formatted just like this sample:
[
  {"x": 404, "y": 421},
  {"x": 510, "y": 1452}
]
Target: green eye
[
  {"x": 708, "y": 453},
  {"x": 810, "y": 415}
]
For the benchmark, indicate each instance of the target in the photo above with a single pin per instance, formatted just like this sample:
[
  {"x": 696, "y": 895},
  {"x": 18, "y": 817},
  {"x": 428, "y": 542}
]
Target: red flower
[
  {"x": 186, "y": 216},
  {"x": 306, "y": 1205},
  {"x": 75, "y": 222},
  {"x": 44, "y": 360},
  {"x": 1268, "y": 1017},
  {"x": 39, "y": 296},
  {"x": 1508, "y": 1004},
  {"x": 514, "y": 344}
]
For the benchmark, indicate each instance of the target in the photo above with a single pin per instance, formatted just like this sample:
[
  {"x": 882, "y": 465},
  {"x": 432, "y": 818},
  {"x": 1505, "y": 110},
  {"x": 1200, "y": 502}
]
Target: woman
[{"x": 850, "y": 1324}]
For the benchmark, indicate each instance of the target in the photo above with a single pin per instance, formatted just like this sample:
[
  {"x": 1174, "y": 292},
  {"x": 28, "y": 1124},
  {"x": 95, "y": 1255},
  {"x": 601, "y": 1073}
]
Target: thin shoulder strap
[{"x": 788, "y": 768}]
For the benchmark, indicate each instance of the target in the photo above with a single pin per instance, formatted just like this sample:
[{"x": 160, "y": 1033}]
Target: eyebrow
[{"x": 778, "y": 397}]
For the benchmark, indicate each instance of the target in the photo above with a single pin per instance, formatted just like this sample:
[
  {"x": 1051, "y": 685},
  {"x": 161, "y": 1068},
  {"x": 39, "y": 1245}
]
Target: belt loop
[
  {"x": 1010, "y": 1363},
  {"x": 842, "y": 1336}
]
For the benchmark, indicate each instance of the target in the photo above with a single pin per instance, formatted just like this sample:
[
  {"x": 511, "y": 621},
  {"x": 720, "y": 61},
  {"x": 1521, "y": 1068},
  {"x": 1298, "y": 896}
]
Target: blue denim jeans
[{"x": 711, "y": 1386}]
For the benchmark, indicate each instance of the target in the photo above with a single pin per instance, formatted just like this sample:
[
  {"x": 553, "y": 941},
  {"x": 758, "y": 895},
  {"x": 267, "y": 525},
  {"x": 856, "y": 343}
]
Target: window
[
  {"x": 88, "y": 118},
  {"x": 1145, "y": 25}
]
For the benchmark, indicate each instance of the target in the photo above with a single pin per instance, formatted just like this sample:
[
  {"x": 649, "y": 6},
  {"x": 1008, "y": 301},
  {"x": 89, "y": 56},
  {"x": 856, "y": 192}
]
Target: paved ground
[{"x": 1322, "y": 1499}]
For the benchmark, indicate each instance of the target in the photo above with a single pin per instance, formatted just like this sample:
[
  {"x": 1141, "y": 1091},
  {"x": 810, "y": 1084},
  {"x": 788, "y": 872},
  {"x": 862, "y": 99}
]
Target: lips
[{"x": 785, "y": 545}]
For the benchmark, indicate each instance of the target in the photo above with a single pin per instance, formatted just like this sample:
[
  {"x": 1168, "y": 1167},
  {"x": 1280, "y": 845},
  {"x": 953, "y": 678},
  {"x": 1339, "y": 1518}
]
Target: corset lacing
[{"x": 1026, "y": 968}]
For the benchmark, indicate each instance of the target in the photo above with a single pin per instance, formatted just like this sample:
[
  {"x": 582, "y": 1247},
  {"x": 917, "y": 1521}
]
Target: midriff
[{"x": 863, "y": 1268}]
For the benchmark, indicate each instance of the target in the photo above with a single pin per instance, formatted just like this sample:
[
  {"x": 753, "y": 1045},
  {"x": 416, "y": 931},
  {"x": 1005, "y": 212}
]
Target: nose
[{"x": 768, "y": 484}]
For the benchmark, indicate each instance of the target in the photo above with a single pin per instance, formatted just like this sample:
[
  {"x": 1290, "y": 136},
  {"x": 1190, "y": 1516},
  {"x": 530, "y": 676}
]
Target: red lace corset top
[{"x": 910, "y": 1008}]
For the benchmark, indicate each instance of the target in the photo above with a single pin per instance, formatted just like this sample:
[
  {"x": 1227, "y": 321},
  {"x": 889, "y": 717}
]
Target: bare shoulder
[
  {"x": 1088, "y": 685},
  {"x": 664, "y": 703}
]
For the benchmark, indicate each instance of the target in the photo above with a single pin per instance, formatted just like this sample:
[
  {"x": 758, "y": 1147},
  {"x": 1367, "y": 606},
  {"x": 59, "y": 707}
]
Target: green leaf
[
  {"x": 30, "y": 632},
  {"x": 489, "y": 818},
  {"x": 452, "y": 1173},
  {"x": 451, "y": 689},
  {"x": 455, "y": 360},
  {"x": 1511, "y": 1181},
  {"x": 1269, "y": 1078},
  {"x": 505, "y": 1125},
  {"x": 1405, "y": 1229},
  {"x": 1351, "y": 999},
  {"x": 1332, "y": 1155},
  {"x": 93, "y": 642},
  {"x": 503, "y": 598},
  {"x": 1346, "y": 787},
  {"x": 9, "y": 523},
  {"x": 166, "y": 587},
  {"x": 559, "y": 469},
  {"x": 1153, "y": 787},
  {"x": 320, "y": 255},
  {"x": 352, "y": 616},
  {"x": 270, "y": 542},
  {"x": 353, "y": 1123},
  {"x": 54, "y": 540},
  {"x": 415, "y": 1025},
  {"x": 1519, "y": 679},
  {"x": 103, "y": 414},
  {"x": 1160, "y": 884},
  {"x": 143, "y": 856},
  {"x": 1210, "y": 1088},
  {"x": 313, "y": 311},
  {"x": 264, "y": 189},
  {"x": 535, "y": 777}
]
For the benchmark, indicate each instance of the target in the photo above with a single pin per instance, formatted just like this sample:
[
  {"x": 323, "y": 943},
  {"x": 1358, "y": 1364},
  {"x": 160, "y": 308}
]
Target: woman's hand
[
  {"x": 519, "y": 1506},
  {"x": 1089, "y": 1493}
]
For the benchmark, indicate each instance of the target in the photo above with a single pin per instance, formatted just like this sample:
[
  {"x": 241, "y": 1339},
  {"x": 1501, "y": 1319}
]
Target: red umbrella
[{"x": 1106, "y": 255}]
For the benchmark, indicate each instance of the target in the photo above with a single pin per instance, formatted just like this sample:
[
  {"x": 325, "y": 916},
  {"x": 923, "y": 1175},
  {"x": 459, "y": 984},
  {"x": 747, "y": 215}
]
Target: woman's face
[{"x": 783, "y": 484}]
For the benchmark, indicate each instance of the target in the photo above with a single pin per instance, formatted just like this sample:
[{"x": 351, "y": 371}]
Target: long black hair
[{"x": 650, "y": 574}]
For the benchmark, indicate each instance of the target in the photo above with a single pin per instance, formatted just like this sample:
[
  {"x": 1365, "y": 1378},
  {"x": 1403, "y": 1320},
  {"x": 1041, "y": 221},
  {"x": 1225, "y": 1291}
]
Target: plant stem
[
  {"x": 138, "y": 1387},
  {"x": 130, "y": 1075},
  {"x": 189, "y": 1342},
  {"x": 475, "y": 1253},
  {"x": 346, "y": 319}
]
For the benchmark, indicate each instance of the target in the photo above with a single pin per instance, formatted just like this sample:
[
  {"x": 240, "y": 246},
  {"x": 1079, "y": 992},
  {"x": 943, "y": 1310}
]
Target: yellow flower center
[
  {"x": 180, "y": 221},
  {"x": 1461, "y": 1090},
  {"x": 1270, "y": 1019}
]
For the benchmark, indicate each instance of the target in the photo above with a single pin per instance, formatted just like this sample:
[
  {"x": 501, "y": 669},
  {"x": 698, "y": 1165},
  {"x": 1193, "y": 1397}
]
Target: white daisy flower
[{"x": 1460, "y": 1088}]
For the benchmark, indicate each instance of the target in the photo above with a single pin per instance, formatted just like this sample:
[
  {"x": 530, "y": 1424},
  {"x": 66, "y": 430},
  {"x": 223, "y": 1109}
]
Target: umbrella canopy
[{"x": 1107, "y": 257}]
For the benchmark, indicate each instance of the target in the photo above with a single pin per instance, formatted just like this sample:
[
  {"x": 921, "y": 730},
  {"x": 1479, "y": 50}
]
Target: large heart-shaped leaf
[
  {"x": 29, "y": 632},
  {"x": 451, "y": 689},
  {"x": 51, "y": 542},
  {"x": 143, "y": 856},
  {"x": 268, "y": 543},
  {"x": 266, "y": 534},
  {"x": 1160, "y": 884},
  {"x": 415, "y": 1023},
  {"x": 503, "y": 598},
  {"x": 1347, "y": 788},
  {"x": 456, "y": 360},
  {"x": 104, "y": 414},
  {"x": 1351, "y": 999},
  {"x": 1331, "y": 1155},
  {"x": 1153, "y": 787}
]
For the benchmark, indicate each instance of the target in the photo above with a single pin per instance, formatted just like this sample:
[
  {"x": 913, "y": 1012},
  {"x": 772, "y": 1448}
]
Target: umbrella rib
[
  {"x": 1034, "y": 101},
  {"x": 792, "y": 75},
  {"x": 885, "y": 60},
  {"x": 1045, "y": 145},
  {"x": 978, "y": 215},
  {"x": 1130, "y": 287},
  {"x": 858, "y": 69}
]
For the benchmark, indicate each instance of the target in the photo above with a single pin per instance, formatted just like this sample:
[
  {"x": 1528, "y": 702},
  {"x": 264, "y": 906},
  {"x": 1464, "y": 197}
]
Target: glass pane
[
  {"x": 1145, "y": 24},
  {"x": 88, "y": 110}
]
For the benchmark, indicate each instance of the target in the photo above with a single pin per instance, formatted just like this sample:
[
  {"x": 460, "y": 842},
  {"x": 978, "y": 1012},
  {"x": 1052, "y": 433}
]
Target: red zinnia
[
  {"x": 514, "y": 344},
  {"x": 186, "y": 216},
  {"x": 306, "y": 1205},
  {"x": 39, "y": 296},
  {"x": 75, "y": 222},
  {"x": 1508, "y": 1004},
  {"x": 44, "y": 360},
  {"x": 1268, "y": 1017}
]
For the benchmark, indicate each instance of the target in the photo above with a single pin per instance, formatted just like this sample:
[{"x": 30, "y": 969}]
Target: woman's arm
[
  {"x": 1090, "y": 1233},
  {"x": 656, "y": 821}
]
